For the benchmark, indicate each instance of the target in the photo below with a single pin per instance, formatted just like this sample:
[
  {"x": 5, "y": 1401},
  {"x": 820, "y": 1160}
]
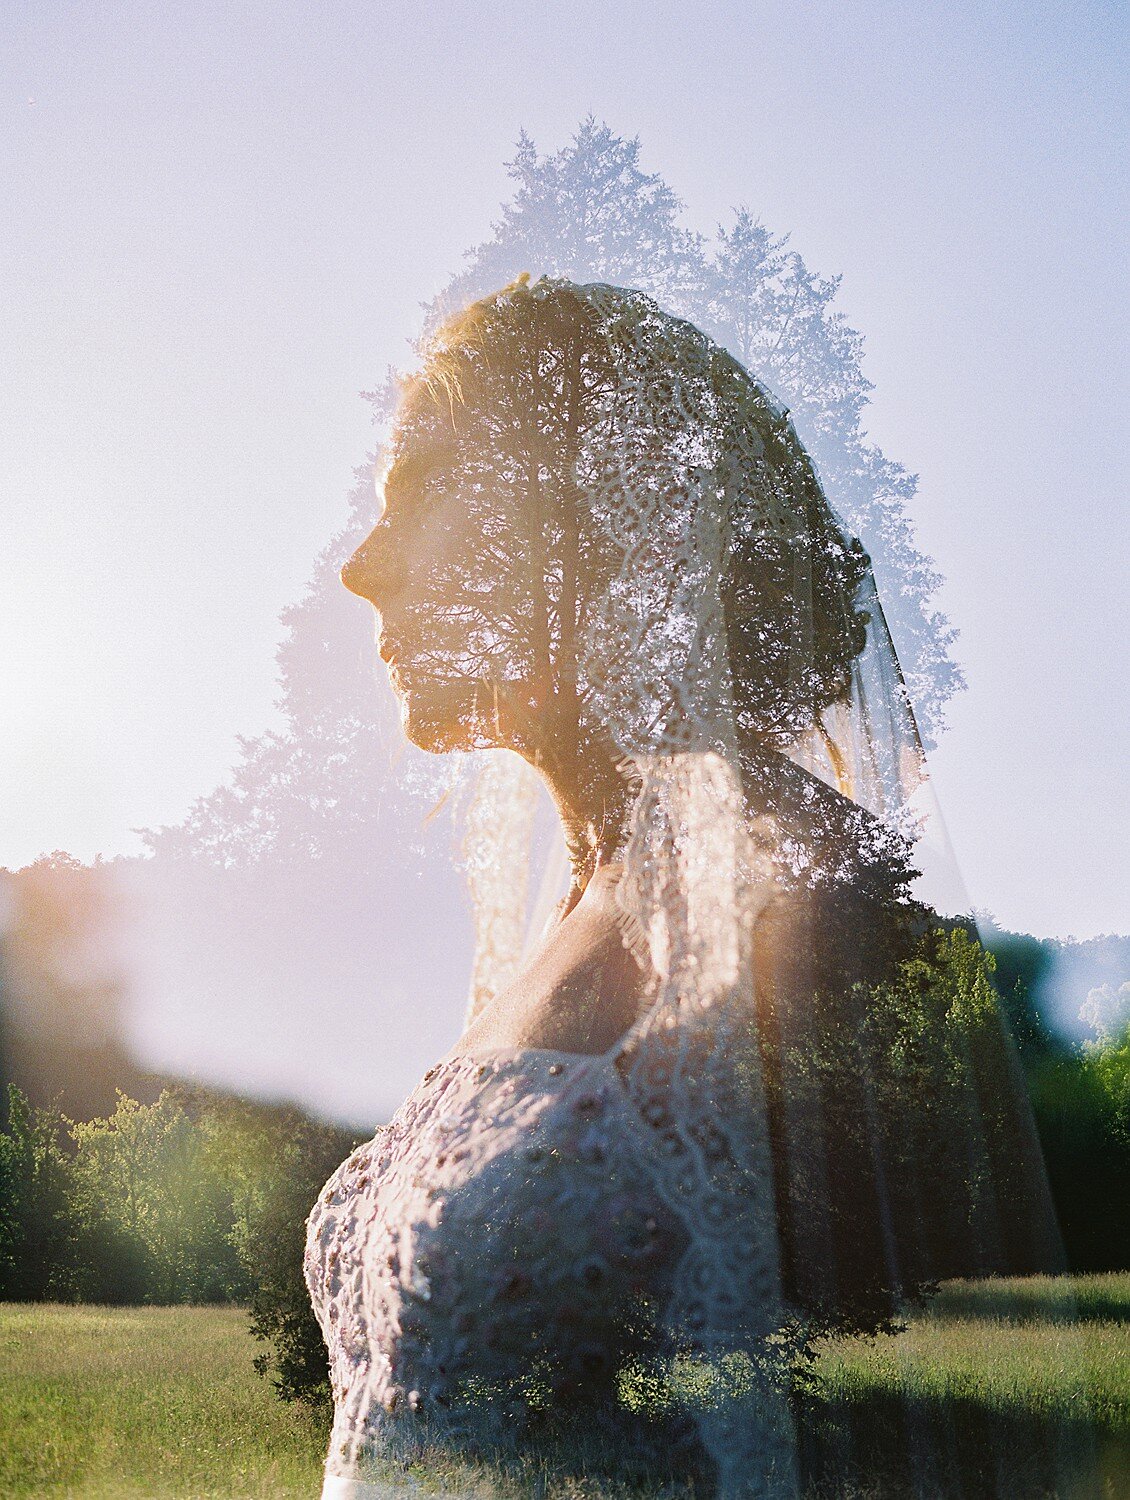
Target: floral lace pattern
[{"x": 476, "y": 1255}]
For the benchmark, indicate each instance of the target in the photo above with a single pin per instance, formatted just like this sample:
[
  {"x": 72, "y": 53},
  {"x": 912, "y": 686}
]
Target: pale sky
[{"x": 219, "y": 222}]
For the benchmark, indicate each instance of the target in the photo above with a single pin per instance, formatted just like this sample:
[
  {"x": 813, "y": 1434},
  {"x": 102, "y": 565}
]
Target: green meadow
[
  {"x": 144, "y": 1401},
  {"x": 1018, "y": 1388}
]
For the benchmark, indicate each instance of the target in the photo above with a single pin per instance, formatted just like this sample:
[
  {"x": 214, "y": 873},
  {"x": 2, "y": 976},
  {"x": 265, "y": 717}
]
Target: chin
[
  {"x": 439, "y": 720},
  {"x": 426, "y": 733}
]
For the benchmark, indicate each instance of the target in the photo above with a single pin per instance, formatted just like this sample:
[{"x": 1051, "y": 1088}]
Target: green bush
[{"x": 277, "y": 1162}]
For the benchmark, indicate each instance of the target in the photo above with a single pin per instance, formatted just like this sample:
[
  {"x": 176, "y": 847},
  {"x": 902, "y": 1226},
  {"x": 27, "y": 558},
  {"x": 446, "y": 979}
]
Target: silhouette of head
[{"x": 546, "y": 423}]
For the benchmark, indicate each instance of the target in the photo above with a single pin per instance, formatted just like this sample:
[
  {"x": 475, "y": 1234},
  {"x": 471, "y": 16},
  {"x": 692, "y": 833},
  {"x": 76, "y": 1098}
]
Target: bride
[{"x": 604, "y": 548}]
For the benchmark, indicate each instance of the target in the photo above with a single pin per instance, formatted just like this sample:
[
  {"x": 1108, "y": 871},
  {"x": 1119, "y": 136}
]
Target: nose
[
  {"x": 353, "y": 574},
  {"x": 372, "y": 571}
]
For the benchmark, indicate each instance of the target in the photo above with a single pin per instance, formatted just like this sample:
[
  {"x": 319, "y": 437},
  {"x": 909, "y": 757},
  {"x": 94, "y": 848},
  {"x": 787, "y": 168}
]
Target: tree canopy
[{"x": 589, "y": 212}]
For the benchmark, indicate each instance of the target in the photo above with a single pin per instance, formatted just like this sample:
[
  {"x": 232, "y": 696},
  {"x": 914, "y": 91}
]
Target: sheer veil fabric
[
  {"x": 719, "y": 638},
  {"x": 677, "y": 466}
]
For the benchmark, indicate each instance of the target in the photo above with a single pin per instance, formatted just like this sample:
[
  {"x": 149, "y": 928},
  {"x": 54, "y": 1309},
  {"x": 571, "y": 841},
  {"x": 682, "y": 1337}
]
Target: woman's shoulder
[{"x": 492, "y": 1095}]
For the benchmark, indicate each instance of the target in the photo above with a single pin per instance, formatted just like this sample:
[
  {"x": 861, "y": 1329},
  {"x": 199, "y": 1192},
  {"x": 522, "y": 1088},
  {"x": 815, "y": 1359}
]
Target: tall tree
[
  {"x": 762, "y": 302},
  {"x": 589, "y": 212}
]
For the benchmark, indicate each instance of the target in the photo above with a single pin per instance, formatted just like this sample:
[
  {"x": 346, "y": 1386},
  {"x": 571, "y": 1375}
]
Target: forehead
[{"x": 424, "y": 438}]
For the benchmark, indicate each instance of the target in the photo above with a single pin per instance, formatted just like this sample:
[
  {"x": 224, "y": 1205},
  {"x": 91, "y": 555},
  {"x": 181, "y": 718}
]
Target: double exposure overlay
[{"x": 747, "y": 1090}]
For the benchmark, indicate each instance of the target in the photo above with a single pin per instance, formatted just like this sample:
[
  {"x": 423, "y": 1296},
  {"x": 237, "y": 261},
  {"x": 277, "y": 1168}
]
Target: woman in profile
[{"x": 603, "y": 548}]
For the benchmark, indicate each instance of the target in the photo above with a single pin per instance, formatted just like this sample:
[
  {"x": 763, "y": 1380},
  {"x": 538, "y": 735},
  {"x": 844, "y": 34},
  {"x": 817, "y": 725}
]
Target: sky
[{"x": 221, "y": 220}]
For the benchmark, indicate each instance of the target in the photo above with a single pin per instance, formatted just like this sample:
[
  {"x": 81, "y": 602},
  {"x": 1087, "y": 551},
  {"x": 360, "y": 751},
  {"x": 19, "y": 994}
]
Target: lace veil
[
  {"x": 690, "y": 449},
  {"x": 728, "y": 652}
]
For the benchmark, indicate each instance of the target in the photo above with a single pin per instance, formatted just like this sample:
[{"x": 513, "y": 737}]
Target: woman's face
[{"x": 447, "y": 572}]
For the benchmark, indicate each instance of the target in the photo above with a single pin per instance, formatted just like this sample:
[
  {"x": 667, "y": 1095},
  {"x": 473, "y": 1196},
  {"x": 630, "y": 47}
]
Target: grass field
[{"x": 1018, "y": 1389}]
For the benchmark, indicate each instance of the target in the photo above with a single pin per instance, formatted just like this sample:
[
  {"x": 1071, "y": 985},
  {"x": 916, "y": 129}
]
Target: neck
[{"x": 594, "y": 800}]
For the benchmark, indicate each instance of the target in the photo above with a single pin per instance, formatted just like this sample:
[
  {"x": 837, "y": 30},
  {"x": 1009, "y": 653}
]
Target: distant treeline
[
  {"x": 1080, "y": 1089},
  {"x": 193, "y": 1198},
  {"x": 200, "y": 1197}
]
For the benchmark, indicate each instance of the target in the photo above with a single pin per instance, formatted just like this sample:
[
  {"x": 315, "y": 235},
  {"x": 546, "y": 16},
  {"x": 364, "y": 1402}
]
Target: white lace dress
[{"x": 497, "y": 1246}]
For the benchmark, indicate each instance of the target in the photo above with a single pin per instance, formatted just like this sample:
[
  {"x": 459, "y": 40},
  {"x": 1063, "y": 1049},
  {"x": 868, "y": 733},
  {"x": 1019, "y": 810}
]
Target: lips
[{"x": 392, "y": 654}]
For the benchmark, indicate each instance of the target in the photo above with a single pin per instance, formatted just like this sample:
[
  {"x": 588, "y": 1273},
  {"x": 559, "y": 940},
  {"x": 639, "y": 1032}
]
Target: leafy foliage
[
  {"x": 903, "y": 1142},
  {"x": 1081, "y": 1100},
  {"x": 191, "y": 1199},
  {"x": 149, "y": 1173},
  {"x": 1080, "y": 1091},
  {"x": 39, "y": 1224},
  {"x": 275, "y": 1164}
]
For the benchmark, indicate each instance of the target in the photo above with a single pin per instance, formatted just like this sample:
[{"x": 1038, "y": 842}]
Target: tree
[
  {"x": 765, "y": 305},
  {"x": 903, "y": 1139},
  {"x": 39, "y": 1225},
  {"x": 1107, "y": 1010},
  {"x": 275, "y": 1162},
  {"x": 588, "y": 211},
  {"x": 146, "y": 1171}
]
